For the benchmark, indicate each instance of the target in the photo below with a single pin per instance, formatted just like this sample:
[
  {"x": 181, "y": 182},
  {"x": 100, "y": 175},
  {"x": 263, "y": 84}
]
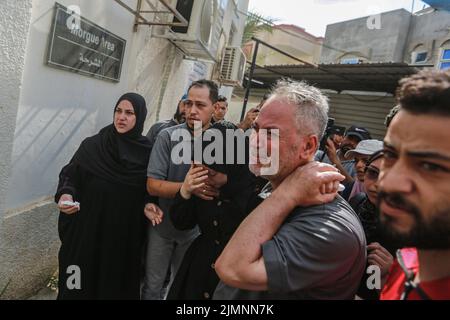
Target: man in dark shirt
[
  {"x": 220, "y": 110},
  {"x": 166, "y": 245},
  {"x": 303, "y": 241},
  {"x": 178, "y": 118}
]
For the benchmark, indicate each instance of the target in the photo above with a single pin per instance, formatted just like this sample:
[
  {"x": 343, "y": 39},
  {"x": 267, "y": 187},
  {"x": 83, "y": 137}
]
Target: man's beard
[
  {"x": 430, "y": 234},
  {"x": 181, "y": 117}
]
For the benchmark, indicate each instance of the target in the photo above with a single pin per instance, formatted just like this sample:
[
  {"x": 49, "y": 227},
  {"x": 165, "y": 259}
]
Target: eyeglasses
[{"x": 371, "y": 173}]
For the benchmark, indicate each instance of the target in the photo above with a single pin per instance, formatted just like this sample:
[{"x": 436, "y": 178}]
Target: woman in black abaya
[{"x": 102, "y": 237}]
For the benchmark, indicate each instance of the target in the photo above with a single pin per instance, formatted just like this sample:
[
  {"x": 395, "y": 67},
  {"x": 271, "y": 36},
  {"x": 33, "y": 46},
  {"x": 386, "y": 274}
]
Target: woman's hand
[
  {"x": 194, "y": 181},
  {"x": 153, "y": 213},
  {"x": 65, "y": 208}
]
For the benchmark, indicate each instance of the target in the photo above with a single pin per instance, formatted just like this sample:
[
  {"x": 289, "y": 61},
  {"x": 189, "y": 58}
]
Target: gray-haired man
[{"x": 303, "y": 241}]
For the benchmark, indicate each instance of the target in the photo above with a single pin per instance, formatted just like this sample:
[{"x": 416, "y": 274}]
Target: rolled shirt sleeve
[{"x": 158, "y": 166}]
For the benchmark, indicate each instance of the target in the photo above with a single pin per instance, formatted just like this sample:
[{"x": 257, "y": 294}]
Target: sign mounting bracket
[{"x": 141, "y": 20}]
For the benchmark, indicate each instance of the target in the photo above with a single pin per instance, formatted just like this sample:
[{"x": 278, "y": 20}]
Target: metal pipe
[
  {"x": 283, "y": 52},
  {"x": 170, "y": 24},
  {"x": 130, "y": 10},
  {"x": 153, "y": 11},
  {"x": 136, "y": 19},
  {"x": 137, "y": 13},
  {"x": 318, "y": 67},
  {"x": 175, "y": 13},
  {"x": 269, "y": 69}
]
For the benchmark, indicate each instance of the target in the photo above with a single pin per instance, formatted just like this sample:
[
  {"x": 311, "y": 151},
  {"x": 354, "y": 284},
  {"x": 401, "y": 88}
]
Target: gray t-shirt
[
  {"x": 318, "y": 253},
  {"x": 162, "y": 167}
]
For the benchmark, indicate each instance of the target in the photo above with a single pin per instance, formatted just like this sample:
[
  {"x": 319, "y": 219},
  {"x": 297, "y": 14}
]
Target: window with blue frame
[
  {"x": 445, "y": 61},
  {"x": 421, "y": 57}
]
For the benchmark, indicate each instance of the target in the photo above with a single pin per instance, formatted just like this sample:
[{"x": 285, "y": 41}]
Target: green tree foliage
[{"x": 256, "y": 23}]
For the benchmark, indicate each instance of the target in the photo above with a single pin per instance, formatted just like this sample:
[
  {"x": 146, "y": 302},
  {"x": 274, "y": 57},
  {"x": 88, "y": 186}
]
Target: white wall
[
  {"x": 58, "y": 109},
  {"x": 14, "y": 24},
  {"x": 45, "y": 113},
  {"x": 237, "y": 102}
]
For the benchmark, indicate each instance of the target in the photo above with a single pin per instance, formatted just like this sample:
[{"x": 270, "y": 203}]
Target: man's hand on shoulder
[{"x": 312, "y": 184}]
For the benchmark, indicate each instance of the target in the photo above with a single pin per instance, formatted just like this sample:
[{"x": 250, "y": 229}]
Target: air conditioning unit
[
  {"x": 199, "y": 39},
  {"x": 232, "y": 69}
]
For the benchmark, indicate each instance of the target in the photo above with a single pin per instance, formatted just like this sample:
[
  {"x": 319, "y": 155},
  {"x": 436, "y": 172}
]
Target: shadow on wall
[
  {"x": 41, "y": 148},
  {"x": 151, "y": 60}
]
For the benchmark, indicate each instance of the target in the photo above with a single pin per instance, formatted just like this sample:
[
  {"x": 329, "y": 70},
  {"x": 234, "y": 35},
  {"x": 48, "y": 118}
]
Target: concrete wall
[
  {"x": 28, "y": 249},
  {"x": 14, "y": 26},
  {"x": 58, "y": 109},
  {"x": 299, "y": 44},
  {"x": 234, "y": 16},
  {"x": 401, "y": 33},
  {"x": 431, "y": 30},
  {"x": 47, "y": 112},
  {"x": 236, "y": 104},
  {"x": 378, "y": 45}
]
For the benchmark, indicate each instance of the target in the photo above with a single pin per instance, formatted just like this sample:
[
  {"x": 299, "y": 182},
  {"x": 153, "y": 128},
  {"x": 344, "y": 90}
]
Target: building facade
[
  {"x": 291, "y": 39},
  {"x": 429, "y": 39},
  {"x": 373, "y": 47},
  {"x": 422, "y": 38},
  {"x": 358, "y": 41}
]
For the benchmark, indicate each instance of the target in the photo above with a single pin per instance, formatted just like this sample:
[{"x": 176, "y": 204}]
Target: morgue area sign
[{"x": 78, "y": 45}]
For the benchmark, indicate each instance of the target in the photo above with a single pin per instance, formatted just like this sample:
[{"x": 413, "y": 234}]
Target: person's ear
[{"x": 309, "y": 147}]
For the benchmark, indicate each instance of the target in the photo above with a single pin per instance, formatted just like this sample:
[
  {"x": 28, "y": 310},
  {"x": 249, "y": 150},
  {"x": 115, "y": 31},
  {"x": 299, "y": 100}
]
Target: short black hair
[
  {"x": 427, "y": 92},
  {"x": 222, "y": 99},
  {"x": 213, "y": 89}
]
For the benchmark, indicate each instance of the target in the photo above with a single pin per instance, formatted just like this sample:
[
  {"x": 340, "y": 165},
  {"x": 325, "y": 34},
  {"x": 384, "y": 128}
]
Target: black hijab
[{"x": 115, "y": 157}]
